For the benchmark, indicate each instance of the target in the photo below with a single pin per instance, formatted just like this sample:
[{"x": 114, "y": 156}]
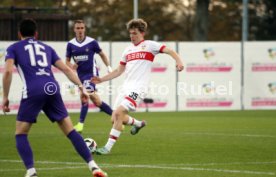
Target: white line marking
[
  {"x": 183, "y": 164},
  {"x": 167, "y": 167},
  {"x": 50, "y": 168},
  {"x": 226, "y": 134},
  {"x": 191, "y": 169},
  {"x": 226, "y": 163}
]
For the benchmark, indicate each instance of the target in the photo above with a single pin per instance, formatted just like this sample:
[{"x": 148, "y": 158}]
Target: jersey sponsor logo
[
  {"x": 81, "y": 58},
  {"x": 42, "y": 72},
  {"x": 139, "y": 56}
]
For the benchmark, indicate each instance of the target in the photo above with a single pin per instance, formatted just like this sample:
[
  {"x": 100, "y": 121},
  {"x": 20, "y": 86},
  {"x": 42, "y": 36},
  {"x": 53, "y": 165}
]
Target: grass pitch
[{"x": 174, "y": 144}]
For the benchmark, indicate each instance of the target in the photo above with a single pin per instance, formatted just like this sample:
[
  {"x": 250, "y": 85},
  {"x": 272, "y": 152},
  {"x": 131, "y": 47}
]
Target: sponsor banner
[
  {"x": 211, "y": 79},
  {"x": 162, "y": 88},
  {"x": 259, "y": 77}
]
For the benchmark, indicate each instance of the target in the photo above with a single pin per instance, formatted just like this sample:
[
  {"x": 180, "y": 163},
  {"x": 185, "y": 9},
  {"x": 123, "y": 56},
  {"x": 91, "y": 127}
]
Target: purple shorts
[
  {"x": 52, "y": 106},
  {"x": 90, "y": 87}
]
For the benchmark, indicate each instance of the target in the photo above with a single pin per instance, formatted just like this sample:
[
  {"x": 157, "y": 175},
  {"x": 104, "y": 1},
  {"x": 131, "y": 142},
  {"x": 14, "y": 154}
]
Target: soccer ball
[{"x": 91, "y": 144}]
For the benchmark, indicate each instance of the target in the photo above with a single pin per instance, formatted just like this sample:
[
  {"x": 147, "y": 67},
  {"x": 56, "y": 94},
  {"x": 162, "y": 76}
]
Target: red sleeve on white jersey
[
  {"x": 122, "y": 63},
  {"x": 155, "y": 47},
  {"x": 162, "y": 48}
]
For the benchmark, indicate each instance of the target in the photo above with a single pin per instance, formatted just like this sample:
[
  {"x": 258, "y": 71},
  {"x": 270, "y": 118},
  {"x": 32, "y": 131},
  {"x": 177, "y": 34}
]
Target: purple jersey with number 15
[{"x": 33, "y": 60}]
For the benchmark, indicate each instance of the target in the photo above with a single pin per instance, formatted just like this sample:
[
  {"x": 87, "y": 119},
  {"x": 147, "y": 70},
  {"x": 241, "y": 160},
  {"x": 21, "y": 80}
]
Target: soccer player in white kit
[{"x": 136, "y": 62}]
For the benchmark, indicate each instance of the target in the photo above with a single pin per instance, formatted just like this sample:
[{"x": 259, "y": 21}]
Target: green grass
[{"x": 181, "y": 144}]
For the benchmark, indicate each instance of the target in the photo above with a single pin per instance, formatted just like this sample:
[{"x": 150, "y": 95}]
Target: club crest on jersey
[
  {"x": 143, "y": 47},
  {"x": 87, "y": 49}
]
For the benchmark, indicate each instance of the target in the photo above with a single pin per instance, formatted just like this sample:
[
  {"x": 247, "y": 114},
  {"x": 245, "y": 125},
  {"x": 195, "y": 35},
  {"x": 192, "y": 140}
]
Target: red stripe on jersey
[
  {"x": 131, "y": 100},
  {"x": 140, "y": 56},
  {"x": 122, "y": 63},
  {"x": 162, "y": 48}
]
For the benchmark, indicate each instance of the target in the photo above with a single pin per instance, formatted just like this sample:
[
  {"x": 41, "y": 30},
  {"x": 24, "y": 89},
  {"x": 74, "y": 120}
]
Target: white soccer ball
[{"x": 91, "y": 144}]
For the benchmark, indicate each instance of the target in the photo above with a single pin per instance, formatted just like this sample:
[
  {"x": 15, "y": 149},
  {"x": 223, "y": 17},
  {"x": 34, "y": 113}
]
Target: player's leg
[
  {"x": 67, "y": 127},
  {"x": 118, "y": 117},
  {"x": 136, "y": 124},
  {"x": 27, "y": 114},
  {"x": 56, "y": 111},
  {"x": 23, "y": 147},
  {"x": 101, "y": 104},
  {"x": 84, "y": 106},
  {"x": 83, "y": 112},
  {"x": 130, "y": 102}
]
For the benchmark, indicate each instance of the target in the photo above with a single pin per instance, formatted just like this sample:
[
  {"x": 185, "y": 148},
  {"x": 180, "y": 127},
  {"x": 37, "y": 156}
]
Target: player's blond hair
[{"x": 139, "y": 23}]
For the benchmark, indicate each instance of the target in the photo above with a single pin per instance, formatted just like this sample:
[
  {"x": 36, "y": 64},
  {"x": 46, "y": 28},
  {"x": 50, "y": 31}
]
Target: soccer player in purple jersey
[
  {"x": 82, "y": 50},
  {"x": 41, "y": 91}
]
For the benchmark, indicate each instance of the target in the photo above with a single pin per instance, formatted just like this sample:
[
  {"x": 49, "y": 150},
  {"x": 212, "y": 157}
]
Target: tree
[
  {"x": 108, "y": 18},
  {"x": 225, "y": 21},
  {"x": 262, "y": 20},
  {"x": 201, "y": 20},
  {"x": 174, "y": 20}
]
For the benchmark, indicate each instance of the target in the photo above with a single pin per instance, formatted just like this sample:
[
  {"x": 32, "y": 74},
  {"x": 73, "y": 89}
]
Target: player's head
[
  {"x": 79, "y": 29},
  {"x": 137, "y": 29},
  {"x": 27, "y": 28}
]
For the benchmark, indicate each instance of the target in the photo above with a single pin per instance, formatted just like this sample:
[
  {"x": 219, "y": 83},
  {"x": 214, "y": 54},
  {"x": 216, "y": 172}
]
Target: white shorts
[{"x": 129, "y": 100}]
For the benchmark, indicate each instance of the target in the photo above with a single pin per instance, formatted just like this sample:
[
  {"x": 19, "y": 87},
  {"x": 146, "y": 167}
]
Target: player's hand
[
  {"x": 5, "y": 105},
  {"x": 83, "y": 94},
  {"x": 179, "y": 66},
  {"x": 96, "y": 80}
]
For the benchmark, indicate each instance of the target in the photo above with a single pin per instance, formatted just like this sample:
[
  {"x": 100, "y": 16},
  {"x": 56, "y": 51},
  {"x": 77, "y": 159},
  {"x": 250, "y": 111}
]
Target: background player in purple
[
  {"x": 82, "y": 49},
  {"x": 33, "y": 60}
]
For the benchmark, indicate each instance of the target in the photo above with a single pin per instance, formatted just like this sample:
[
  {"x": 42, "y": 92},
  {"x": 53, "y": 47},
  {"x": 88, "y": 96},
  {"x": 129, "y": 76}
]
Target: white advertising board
[
  {"x": 260, "y": 75},
  {"x": 211, "y": 80}
]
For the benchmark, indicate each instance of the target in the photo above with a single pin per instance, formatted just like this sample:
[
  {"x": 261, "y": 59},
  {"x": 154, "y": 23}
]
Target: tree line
[{"x": 168, "y": 20}]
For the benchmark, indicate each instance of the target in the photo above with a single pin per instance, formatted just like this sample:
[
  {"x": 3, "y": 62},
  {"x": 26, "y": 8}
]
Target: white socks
[
  {"x": 31, "y": 171},
  {"x": 132, "y": 121},
  {"x": 113, "y": 136},
  {"x": 92, "y": 164}
]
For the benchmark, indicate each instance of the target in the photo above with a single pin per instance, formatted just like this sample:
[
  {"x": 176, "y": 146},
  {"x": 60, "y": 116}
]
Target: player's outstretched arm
[
  {"x": 176, "y": 57},
  {"x": 116, "y": 73},
  {"x": 72, "y": 77},
  {"x": 7, "y": 78}
]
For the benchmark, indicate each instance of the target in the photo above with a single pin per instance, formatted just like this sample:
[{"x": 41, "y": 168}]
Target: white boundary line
[
  {"x": 192, "y": 133},
  {"x": 167, "y": 167},
  {"x": 226, "y": 134},
  {"x": 230, "y": 163}
]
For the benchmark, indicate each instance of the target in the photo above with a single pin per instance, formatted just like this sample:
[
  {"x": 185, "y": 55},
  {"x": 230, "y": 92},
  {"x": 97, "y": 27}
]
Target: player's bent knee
[{"x": 117, "y": 115}]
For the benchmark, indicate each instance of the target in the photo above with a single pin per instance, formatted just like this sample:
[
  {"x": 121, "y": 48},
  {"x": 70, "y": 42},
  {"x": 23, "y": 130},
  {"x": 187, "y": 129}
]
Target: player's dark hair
[
  {"x": 27, "y": 27},
  {"x": 139, "y": 23}
]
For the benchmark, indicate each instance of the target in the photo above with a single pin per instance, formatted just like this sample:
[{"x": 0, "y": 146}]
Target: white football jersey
[{"x": 138, "y": 61}]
